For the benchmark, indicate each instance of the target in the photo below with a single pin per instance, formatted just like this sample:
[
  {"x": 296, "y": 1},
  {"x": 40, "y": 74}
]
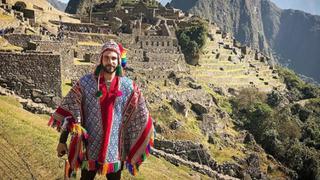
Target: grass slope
[{"x": 27, "y": 149}]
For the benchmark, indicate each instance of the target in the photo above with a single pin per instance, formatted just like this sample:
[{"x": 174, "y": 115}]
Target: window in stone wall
[
  {"x": 162, "y": 43},
  {"x": 157, "y": 43},
  {"x": 147, "y": 43},
  {"x": 151, "y": 43},
  {"x": 168, "y": 43}
]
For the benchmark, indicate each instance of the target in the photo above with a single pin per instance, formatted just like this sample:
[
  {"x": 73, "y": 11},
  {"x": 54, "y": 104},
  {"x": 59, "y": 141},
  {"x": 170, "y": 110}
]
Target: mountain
[
  {"x": 79, "y": 6},
  {"x": 292, "y": 37},
  {"x": 58, "y": 4},
  {"x": 73, "y": 5}
]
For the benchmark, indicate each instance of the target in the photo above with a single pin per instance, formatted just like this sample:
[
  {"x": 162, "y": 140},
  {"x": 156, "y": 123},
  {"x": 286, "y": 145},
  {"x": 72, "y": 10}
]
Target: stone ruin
[
  {"x": 74, "y": 52},
  {"x": 226, "y": 63},
  {"x": 153, "y": 50}
]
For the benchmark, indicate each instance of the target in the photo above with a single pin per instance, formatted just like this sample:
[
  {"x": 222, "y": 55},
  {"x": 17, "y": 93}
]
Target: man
[{"x": 108, "y": 119}]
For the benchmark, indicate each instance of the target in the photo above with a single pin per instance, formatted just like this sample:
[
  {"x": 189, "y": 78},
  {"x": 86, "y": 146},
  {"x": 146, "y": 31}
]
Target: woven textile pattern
[
  {"x": 113, "y": 148},
  {"x": 92, "y": 116},
  {"x": 136, "y": 122}
]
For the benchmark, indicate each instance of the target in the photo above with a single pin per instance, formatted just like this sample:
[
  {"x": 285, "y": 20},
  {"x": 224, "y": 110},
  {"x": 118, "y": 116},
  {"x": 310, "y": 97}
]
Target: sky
[{"x": 311, "y": 6}]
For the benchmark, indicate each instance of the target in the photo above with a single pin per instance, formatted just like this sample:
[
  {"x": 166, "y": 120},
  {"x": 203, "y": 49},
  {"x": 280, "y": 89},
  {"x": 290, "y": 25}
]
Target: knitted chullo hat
[{"x": 122, "y": 60}]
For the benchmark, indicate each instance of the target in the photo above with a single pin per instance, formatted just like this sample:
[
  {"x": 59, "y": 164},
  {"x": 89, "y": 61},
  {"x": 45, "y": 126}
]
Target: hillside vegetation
[{"x": 286, "y": 125}]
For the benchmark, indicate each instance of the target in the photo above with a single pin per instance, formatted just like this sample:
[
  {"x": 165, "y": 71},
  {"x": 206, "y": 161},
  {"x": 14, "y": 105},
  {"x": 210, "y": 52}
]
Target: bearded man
[{"x": 107, "y": 117}]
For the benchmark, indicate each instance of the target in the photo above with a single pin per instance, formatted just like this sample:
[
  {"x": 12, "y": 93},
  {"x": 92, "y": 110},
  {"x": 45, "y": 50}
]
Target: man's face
[{"x": 109, "y": 61}]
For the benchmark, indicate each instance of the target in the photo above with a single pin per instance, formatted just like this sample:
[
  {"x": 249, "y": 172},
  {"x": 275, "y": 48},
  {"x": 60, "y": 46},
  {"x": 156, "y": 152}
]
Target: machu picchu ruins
[
  {"x": 146, "y": 29},
  {"x": 44, "y": 52}
]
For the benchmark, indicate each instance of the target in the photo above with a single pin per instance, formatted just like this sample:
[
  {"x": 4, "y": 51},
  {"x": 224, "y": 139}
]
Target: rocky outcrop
[
  {"x": 199, "y": 109},
  {"x": 179, "y": 106},
  {"x": 196, "y": 156},
  {"x": 28, "y": 104},
  {"x": 76, "y": 6}
]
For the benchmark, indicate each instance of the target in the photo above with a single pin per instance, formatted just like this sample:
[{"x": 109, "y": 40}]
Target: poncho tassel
[{"x": 134, "y": 168}]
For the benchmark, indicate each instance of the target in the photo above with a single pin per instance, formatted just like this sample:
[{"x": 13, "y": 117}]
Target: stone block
[
  {"x": 37, "y": 100},
  {"x": 36, "y": 93}
]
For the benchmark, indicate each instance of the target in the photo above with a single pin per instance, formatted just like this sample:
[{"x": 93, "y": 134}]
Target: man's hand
[{"x": 62, "y": 149}]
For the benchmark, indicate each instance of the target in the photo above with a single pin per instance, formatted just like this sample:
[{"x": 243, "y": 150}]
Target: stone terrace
[
  {"x": 34, "y": 76},
  {"x": 224, "y": 64}
]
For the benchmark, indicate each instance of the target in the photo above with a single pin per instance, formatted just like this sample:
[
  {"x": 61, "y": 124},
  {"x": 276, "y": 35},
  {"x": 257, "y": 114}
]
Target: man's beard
[{"x": 109, "y": 69}]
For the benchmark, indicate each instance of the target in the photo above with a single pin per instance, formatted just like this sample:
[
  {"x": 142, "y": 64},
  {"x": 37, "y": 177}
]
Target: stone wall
[
  {"x": 21, "y": 40},
  {"x": 69, "y": 70},
  {"x": 78, "y": 71},
  {"x": 33, "y": 76},
  {"x": 162, "y": 57},
  {"x": 155, "y": 56},
  {"x": 81, "y": 50},
  {"x": 163, "y": 43},
  {"x": 86, "y": 27},
  {"x": 187, "y": 150},
  {"x": 63, "y": 49},
  {"x": 135, "y": 55},
  {"x": 91, "y": 57},
  {"x": 170, "y": 13},
  {"x": 99, "y": 38}
]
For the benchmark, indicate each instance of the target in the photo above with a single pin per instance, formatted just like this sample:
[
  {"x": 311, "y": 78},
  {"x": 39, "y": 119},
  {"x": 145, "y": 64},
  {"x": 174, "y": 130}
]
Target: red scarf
[{"x": 107, "y": 101}]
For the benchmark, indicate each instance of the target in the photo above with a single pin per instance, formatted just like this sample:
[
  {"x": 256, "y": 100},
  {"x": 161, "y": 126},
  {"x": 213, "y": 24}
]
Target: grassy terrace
[
  {"x": 88, "y": 43},
  {"x": 5, "y": 46},
  {"x": 224, "y": 73},
  {"x": 5, "y": 17},
  {"x": 78, "y": 61}
]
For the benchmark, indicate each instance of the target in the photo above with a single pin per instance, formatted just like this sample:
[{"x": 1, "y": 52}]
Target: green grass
[
  {"x": 5, "y": 46},
  {"x": 223, "y": 101},
  {"x": 31, "y": 138},
  {"x": 78, "y": 61},
  {"x": 189, "y": 131},
  {"x": 29, "y": 135},
  {"x": 66, "y": 86},
  {"x": 5, "y": 17},
  {"x": 225, "y": 154},
  {"x": 88, "y": 43}
]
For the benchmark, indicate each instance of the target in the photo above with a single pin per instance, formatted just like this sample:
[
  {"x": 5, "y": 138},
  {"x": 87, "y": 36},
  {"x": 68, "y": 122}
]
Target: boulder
[
  {"x": 194, "y": 85},
  {"x": 175, "y": 124},
  {"x": 179, "y": 106},
  {"x": 199, "y": 109}
]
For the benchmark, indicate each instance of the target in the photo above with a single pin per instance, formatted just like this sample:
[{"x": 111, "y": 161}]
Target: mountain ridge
[
  {"x": 58, "y": 4},
  {"x": 290, "y": 36}
]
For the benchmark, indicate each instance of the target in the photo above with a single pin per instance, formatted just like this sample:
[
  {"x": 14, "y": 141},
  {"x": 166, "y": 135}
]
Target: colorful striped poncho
[{"x": 107, "y": 131}]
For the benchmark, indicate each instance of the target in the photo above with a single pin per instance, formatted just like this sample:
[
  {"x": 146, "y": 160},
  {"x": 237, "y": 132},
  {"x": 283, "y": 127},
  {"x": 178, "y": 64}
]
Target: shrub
[
  {"x": 298, "y": 88},
  {"x": 274, "y": 98},
  {"x": 192, "y": 38}
]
